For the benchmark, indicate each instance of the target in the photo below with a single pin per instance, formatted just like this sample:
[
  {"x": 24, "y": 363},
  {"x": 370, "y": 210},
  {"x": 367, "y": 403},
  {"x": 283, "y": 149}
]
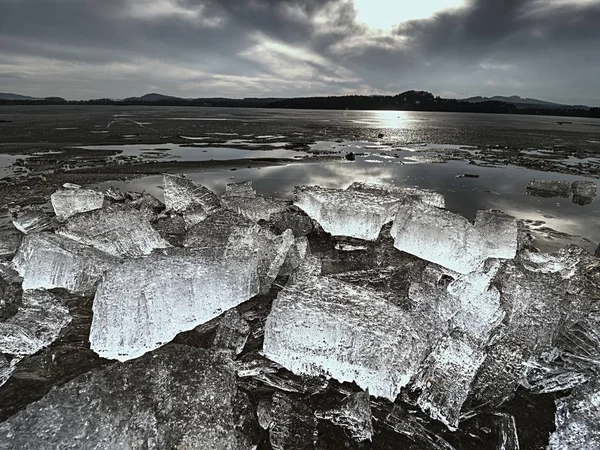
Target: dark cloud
[{"x": 88, "y": 48}]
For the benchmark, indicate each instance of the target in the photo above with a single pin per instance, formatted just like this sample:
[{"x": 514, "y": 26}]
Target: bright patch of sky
[{"x": 385, "y": 14}]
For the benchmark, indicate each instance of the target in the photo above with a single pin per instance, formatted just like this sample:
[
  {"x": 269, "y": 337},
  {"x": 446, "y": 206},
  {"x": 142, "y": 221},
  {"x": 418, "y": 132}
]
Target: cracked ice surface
[
  {"x": 577, "y": 426},
  {"x": 67, "y": 203},
  {"x": 48, "y": 261},
  {"x": 450, "y": 240},
  {"x": 117, "y": 230},
  {"x": 323, "y": 326},
  {"x": 347, "y": 213},
  {"x": 177, "y": 397},
  {"x": 384, "y": 189},
  {"x": 29, "y": 222},
  {"x": 37, "y": 323},
  {"x": 183, "y": 195},
  {"x": 145, "y": 303}
]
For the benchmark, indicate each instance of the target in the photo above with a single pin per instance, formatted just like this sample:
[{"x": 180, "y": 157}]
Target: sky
[{"x": 80, "y": 49}]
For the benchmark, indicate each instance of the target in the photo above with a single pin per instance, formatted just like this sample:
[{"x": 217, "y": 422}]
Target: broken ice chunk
[
  {"x": 354, "y": 414},
  {"x": 584, "y": 189},
  {"x": 227, "y": 232},
  {"x": 67, "y": 203},
  {"x": 257, "y": 208},
  {"x": 114, "y": 194},
  {"x": 145, "y": 303},
  {"x": 446, "y": 376},
  {"x": 148, "y": 205},
  {"x": 243, "y": 189},
  {"x": 117, "y": 230},
  {"x": 449, "y": 239},
  {"x": 292, "y": 219},
  {"x": 541, "y": 294},
  {"x": 430, "y": 197},
  {"x": 182, "y": 195},
  {"x": 295, "y": 256},
  {"x": 499, "y": 231},
  {"x": 38, "y": 322},
  {"x": 321, "y": 326},
  {"x": 232, "y": 332},
  {"x": 32, "y": 222},
  {"x": 577, "y": 425},
  {"x": 292, "y": 425},
  {"x": 347, "y": 213},
  {"x": 177, "y": 397},
  {"x": 9, "y": 244},
  {"x": 48, "y": 261},
  {"x": 584, "y": 192},
  {"x": 549, "y": 188}
]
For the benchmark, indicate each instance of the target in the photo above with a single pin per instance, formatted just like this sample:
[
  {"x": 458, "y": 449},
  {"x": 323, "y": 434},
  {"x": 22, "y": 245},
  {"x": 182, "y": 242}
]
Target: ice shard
[
  {"x": 145, "y": 303},
  {"x": 183, "y": 195},
  {"x": 321, "y": 326},
  {"x": 28, "y": 222},
  {"x": 584, "y": 189},
  {"x": 577, "y": 426},
  {"x": 10, "y": 292},
  {"x": 177, "y": 397},
  {"x": 69, "y": 202},
  {"x": 354, "y": 414},
  {"x": 232, "y": 332},
  {"x": 296, "y": 254},
  {"x": 48, "y": 261},
  {"x": 347, "y": 213},
  {"x": 450, "y": 240},
  {"x": 117, "y": 230},
  {"x": 384, "y": 189},
  {"x": 149, "y": 206},
  {"x": 37, "y": 323},
  {"x": 9, "y": 244}
]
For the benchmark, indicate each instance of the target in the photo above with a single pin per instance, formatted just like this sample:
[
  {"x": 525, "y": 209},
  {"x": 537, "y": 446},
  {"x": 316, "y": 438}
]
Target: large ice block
[
  {"x": 183, "y": 195},
  {"x": 48, "y": 261},
  {"x": 549, "y": 188},
  {"x": 449, "y": 239},
  {"x": 321, "y": 326},
  {"x": 145, "y": 303},
  {"x": 177, "y": 397},
  {"x": 347, "y": 213},
  {"x": 117, "y": 230},
  {"x": 38, "y": 322},
  {"x": 69, "y": 202},
  {"x": 577, "y": 425},
  {"x": 384, "y": 189}
]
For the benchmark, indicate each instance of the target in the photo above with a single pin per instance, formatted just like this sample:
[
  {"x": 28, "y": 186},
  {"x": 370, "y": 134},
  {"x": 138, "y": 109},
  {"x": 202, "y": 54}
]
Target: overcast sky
[{"x": 548, "y": 49}]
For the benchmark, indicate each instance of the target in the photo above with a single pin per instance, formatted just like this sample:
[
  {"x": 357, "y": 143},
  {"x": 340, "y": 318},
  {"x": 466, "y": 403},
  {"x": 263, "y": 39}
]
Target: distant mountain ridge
[
  {"x": 524, "y": 102},
  {"x": 8, "y": 96},
  {"x": 405, "y": 101}
]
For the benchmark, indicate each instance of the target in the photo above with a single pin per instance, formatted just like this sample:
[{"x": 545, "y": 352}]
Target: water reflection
[{"x": 502, "y": 188}]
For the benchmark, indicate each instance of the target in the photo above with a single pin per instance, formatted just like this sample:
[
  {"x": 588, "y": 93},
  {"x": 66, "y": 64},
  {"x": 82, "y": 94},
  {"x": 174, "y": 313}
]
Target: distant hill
[
  {"x": 153, "y": 97},
  {"x": 7, "y": 96},
  {"x": 521, "y": 102}
]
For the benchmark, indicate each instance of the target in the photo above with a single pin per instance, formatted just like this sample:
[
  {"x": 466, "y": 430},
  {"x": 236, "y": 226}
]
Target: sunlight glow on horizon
[{"x": 385, "y": 14}]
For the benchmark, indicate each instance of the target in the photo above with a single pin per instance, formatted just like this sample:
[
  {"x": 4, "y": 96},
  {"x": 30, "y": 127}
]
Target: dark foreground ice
[{"x": 243, "y": 321}]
